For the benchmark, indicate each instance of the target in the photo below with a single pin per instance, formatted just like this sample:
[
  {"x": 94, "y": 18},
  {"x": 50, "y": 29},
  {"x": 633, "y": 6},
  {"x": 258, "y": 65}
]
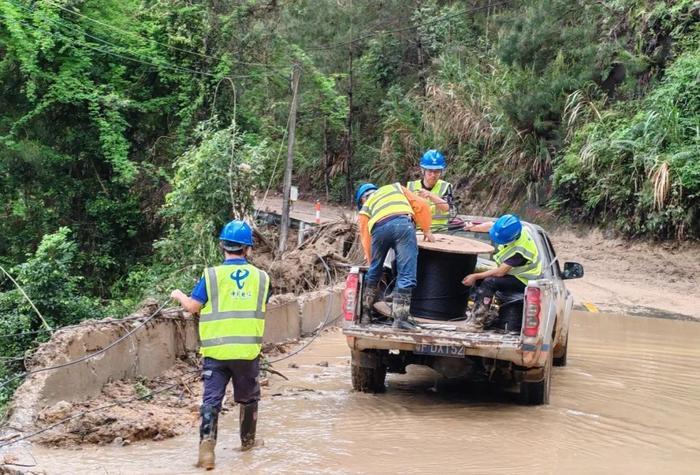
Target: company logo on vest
[{"x": 239, "y": 276}]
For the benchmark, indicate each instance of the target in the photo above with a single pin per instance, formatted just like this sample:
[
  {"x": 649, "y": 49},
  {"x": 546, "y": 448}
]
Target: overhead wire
[
  {"x": 136, "y": 35},
  {"x": 129, "y": 57}
]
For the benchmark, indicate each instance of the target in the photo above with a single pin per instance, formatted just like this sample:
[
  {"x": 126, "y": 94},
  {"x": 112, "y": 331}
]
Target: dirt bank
[{"x": 623, "y": 276}]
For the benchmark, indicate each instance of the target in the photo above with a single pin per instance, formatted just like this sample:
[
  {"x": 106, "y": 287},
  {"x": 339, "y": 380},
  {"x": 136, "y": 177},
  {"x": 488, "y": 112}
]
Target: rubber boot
[
  {"x": 477, "y": 317},
  {"x": 368, "y": 299},
  {"x": 400, "y": 311},
  {"x": 207, "y": 436},
  {"x": 248, "y": 424}
]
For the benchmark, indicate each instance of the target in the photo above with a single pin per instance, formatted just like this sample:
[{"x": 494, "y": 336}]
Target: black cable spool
[{"x": 440, "y": 294}]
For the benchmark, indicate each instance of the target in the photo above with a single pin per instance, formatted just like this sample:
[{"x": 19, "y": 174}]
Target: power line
[
  {"x": 76, "y": 29},
  {"x": 136, "y": 35},
  {"x": 407, "y": 28},
  {"x": 86, "y": 357}
]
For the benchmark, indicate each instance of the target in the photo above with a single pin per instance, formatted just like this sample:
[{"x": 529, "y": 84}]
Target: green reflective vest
[
  {"x": 526, "y": 247},
  {"x": 232, "y": 322},
  {"x": 388, "y": 200},
  {"x": 440, "y": 218}
]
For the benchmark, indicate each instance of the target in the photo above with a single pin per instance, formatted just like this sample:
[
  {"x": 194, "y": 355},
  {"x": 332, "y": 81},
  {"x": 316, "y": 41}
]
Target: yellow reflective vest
[
  {"x": 388, "y": 200},
  {"x": 232, "y": 322},
  {"x": 440, "y": 218},
  {"x": 526, "y": 247}
]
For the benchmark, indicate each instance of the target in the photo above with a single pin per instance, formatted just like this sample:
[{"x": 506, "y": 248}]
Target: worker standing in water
[
  {"x": 387, "y": 220},
  {"x": 433, "y": 189},
  {"x": 231, "y": 299}
]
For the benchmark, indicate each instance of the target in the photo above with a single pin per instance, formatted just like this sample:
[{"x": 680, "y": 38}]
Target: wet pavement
[{"x": 628, "y": 402}]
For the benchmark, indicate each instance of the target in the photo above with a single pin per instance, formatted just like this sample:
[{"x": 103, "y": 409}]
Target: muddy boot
[
  {"x": 400, "y": 311},
  {"x": 368, "y": 299},
  {"x": 207, "y": 436},
  {"x": 248, "y": 423},
  {"x": 477, "y": 317}
]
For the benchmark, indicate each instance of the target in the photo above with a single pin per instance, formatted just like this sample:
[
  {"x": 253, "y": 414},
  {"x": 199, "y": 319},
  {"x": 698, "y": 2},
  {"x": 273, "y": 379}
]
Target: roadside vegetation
[{"x": 131, "y": 131}]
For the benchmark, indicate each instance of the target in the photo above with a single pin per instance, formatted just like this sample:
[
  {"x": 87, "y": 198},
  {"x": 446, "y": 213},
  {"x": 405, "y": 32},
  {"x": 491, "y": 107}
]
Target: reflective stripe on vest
[
  {"x": 386, "y": 201},
  {"x": 440, "y": 218},
  {"x": 232, "y": 322},
  {"x": 526, "y": 247}
]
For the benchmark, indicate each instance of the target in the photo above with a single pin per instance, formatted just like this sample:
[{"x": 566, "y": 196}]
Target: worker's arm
[
  {"x": 478, "y": 228},
  {"x": 423, "y": 215},
  {"x": 365, "y": 238},
  {"x": 440, "y": 203},
  {"x": 499, "y": 271},
  {"x": 188, "y": 303}
]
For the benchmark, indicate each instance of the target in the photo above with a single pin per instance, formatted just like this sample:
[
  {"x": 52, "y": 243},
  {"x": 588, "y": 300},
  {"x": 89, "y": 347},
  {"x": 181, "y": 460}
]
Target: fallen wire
[
  {"x": 322, "y": 325},
  {"x": 102, "y": 408},
  {"x": 90, "y": 323},
  {"x": 91, "y": 355}
]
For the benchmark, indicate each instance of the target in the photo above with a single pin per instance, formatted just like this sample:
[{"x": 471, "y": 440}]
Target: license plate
[{"x": 440, "y": 350}]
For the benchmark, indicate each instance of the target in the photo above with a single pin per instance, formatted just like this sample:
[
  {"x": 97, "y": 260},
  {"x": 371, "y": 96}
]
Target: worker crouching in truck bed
[
  {"x": 387, "y": 220},
  {"x": 231, "y": 299},
  {"x": 518, "y": 262}
]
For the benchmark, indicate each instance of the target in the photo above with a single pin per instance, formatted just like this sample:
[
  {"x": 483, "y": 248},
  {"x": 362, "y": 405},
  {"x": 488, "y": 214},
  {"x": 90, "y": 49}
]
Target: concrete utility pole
[{"x": 287, "y": 186}]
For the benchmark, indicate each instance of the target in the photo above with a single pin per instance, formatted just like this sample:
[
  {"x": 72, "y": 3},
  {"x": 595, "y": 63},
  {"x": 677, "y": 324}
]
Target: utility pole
[
  {"x": 348, "y": 145},
  {"x": 287, "y": 186}
]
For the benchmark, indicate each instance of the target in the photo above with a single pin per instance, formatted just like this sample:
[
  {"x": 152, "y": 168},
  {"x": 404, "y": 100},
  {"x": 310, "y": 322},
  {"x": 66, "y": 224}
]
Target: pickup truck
[{"x": 520, "y": 362}]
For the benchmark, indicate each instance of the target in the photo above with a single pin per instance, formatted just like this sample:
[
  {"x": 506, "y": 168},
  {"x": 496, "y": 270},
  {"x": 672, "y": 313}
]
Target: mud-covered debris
[
  {"x": 320, "y": 261},
  {"x": 292, "y": 365},
  {"x": 58, "y": 411}
]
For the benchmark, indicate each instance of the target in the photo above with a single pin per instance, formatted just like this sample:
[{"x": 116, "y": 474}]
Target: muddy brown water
[{"x": 628, "y": 402}]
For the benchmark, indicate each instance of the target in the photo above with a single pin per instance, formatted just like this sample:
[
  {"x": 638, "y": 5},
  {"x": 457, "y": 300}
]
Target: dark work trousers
[
  {"x": 487, "y": 287},
  {"x": 217, "y": 373}
]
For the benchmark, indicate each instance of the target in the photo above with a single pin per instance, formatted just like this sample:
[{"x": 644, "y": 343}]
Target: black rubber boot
[
  {"x": 207, "y": 436},
  {"x": 400, "y": 311},
  {"x": 368, "y": 298},
  {"x": 248, "y": 424}
]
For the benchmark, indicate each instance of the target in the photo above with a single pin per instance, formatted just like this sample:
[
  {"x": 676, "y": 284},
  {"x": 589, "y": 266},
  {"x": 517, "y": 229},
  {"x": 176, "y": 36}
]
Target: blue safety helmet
[
  {"x": 506, "y": 229},
  {"x": 361, "y": 191},
  {"x": 433, "y": 160},
  {"x": 235, "y": 235}
]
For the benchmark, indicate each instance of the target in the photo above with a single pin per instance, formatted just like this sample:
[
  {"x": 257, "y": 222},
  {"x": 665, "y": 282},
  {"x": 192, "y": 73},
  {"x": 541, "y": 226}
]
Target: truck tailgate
[{"x": 485, "y": 344}]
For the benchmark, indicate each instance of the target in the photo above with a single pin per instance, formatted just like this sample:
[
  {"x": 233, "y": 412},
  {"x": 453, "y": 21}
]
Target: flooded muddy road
[{"x": 628, "y": 402}]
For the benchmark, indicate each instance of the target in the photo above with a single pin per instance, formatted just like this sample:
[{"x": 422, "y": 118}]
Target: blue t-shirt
[{"x": 199, "y": 293}]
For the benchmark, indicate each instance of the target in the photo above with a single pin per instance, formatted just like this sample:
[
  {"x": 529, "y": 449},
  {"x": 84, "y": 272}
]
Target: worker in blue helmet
[
  {"x": 231, "y": 299},
  {"x": 433, "y": 189},
  {"x": 517, "y": 258},
  {"x": 387, "y": 220}
]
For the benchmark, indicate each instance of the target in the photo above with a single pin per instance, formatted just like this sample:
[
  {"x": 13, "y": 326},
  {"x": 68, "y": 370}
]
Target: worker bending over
[
  {"x": 231, "y": 299},
  {"x": 387, "y": 220},
  {"x": 431, "y": 188},
  {"x": 517, "y": 258}
]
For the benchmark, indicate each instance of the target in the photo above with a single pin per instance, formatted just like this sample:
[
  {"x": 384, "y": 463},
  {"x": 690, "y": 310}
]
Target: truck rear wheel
[
  {"x": 368, "y": 380},
  {"x": 561, "y": 359},
  {"x": 536, "y": 394}
]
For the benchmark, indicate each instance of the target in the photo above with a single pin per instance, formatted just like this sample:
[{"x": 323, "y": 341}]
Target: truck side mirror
[{"x": 573, "y": 270}]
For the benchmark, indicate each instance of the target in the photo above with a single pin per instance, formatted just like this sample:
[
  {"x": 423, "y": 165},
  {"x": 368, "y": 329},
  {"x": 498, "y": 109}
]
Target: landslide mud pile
[
  {"x": 127, "y": 411},
  {"x": 328, "y": 252}
]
